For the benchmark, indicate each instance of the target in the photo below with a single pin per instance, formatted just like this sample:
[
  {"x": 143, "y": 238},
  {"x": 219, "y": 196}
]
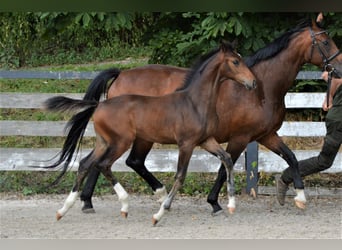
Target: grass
[
  {"x": 68, "y": 59},
  {"x": 126, "y": 63},
  {"x": 43, "y": 86},
  {"x": 199, "y": 184},
  {"x": 31, "y": 115},
  {"x": 35, "y": 182}
]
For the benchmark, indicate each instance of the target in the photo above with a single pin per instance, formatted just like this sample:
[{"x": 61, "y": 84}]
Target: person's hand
[
  {"x": 325, "y": 76},
  {"x": 326, "y": 107}
]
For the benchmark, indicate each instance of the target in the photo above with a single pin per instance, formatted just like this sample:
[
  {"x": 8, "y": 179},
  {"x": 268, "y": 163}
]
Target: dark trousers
[{"x": 326, "y": 157}]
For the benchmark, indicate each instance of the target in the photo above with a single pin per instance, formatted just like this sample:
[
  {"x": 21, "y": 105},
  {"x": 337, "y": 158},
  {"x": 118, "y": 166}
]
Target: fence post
[{"x": 251, "y": 157}]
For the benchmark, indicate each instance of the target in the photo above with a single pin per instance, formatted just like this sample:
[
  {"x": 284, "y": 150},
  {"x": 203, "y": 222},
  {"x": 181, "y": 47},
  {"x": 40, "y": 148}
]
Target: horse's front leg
[
  {"x": 88, "y": 190},
  {"x": 182, "y": 167},
  {"x": 230, "y": 182},
  {"x": 275, "y": 143},
  {"x": 136, "y": 160},
  {"x": 212, "y": 146},
  {"x": 82, "y": 172},
  {"x": 234, "y": 148}
]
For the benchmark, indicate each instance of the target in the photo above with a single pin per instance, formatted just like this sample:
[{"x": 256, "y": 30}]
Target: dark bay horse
[
  {"x": 275, "y": 66},
  {"x": 186, "y": 117}
]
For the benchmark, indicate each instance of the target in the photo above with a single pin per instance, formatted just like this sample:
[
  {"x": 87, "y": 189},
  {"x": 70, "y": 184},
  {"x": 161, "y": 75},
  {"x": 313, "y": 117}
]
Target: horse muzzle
[{"x": 251, "y": 85}]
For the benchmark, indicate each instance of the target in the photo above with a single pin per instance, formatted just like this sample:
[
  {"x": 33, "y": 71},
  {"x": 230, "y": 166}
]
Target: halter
[{"x": 326, "y": 60}]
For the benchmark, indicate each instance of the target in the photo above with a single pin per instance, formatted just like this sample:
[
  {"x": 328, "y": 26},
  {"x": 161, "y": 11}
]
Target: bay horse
[
  {"x": 186, "y": 117},
  {"x": 275, "y": 66}
]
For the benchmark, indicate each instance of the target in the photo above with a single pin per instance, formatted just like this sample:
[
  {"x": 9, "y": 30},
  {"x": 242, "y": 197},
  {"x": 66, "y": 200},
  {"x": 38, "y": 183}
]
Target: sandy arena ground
[{"x": 33, "y": 217}]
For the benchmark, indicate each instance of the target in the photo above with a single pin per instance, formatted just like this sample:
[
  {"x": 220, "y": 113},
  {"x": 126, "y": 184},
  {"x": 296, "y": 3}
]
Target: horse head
[
  {"x": 324, "y": 51},
  {"x": 234, "y": 67}
]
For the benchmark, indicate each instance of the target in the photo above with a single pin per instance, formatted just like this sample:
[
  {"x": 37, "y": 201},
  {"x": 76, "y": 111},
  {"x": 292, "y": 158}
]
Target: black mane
[
  {"x": 200, "y": 64},
  {"x": 277, "y": 45}
]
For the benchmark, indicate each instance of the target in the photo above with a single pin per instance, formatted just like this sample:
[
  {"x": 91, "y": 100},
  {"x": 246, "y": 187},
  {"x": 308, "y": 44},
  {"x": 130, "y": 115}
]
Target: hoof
[
  {"x": 300, "y": 204},
  {"x": 253, "y": 193},
  {"x": 216, "y": 208},
  {"x": 231, "y": 210},
  {"x": 58, "y": 216},
  {"x": 124, "y": 214},
  {"x": 216, "y": 213},
  {"x": 87, "y": 205},
  {"x": 154, "y": 221},
  {"x": 88, "y": 210}
]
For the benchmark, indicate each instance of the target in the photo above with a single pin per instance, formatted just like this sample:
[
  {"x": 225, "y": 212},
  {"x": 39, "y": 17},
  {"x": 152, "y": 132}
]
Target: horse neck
[
  {"x": 279, "y": 73},
  {"x": 204, "y": 92}
]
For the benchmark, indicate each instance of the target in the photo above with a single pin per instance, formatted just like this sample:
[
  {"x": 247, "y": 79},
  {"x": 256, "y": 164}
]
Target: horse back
[{"x": 150, "y": 80}]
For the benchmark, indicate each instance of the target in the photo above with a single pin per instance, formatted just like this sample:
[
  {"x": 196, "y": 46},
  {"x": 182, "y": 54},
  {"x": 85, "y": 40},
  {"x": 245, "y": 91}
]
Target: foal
[{"x": 186, "y": 117}]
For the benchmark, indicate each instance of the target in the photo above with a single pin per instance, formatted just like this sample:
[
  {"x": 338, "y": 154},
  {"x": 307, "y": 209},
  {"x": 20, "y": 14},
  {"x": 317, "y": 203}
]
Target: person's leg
[{"x": 315, "y": 164}]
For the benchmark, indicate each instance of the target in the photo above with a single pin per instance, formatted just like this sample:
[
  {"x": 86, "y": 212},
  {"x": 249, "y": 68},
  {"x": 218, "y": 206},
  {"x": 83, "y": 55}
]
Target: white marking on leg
[
  {"x": 160, "y": 213},
  {"x": 300, "y": 196},
  {"x": 123, "y": 196},
  {"x": 231, "y": 204},
  {"x": 68, "y": 203},
  {"x": 162, "y": 193}
]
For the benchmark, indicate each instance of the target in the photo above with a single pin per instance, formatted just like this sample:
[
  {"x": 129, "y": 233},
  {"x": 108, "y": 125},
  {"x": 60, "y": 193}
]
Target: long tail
[
  {"x": 78, "y": 123},
  {"x": 99, "y": 85},
  {"x": 75, "y": 127}
]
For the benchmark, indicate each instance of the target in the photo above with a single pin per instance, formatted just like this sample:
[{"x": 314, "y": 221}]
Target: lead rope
[{"x": 328, "y": 89}]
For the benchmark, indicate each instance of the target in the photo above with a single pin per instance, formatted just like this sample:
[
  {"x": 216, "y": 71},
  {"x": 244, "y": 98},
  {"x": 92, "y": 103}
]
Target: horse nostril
[
  {"x": 254, "y": 84},
  {"x": 250, "y": 85}
]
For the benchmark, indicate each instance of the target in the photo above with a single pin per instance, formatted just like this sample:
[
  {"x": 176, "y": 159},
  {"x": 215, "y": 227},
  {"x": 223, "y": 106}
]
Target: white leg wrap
[
  {"x": 123, "y": 196},
  {"x": 231, "y": 202},
  {"x": 162, "y": 193},
  {"x": 300, "y": 195},
  {"x": 68, "y": 203}
]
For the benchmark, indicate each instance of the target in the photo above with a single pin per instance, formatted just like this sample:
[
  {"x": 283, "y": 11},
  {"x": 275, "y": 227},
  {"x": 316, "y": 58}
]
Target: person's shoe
[{"x": 281, "y": 189}]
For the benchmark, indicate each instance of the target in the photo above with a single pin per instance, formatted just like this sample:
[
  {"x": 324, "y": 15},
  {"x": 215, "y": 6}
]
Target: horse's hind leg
[
  {"x": 275, "y": 143},
  {"x": 83, "y": 169},
  {"x": 212, "y": 146},
  {"x": 185, "y": 153},
  {"x": 105, "y": 164},
  {"x": 136, "y": 160},
  {"x": 119, "y": 190}
]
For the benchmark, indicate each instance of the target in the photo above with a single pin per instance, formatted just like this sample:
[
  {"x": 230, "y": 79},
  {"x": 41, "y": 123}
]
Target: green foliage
[
  {"x": 58, "y": 37},
  {"x": 252, "y": 30},
  {"x": 309, "y": 86},
  {"x": 17, "y": 30},
  {"x": 174, "y": 37}
]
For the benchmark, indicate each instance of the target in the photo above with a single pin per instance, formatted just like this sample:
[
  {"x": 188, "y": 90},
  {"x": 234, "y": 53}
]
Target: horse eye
[
  {"x": 325, "y": 43},
  {"x": 236, "y": 62}
]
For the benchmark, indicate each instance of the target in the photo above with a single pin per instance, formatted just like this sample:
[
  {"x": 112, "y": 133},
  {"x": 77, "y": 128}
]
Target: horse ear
[
  {"x": 319, "y": 18},
  {"x": 226, "y": 46},
  {"x": 223, "y": 46},
  {"x": 235, "y": 43}
]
